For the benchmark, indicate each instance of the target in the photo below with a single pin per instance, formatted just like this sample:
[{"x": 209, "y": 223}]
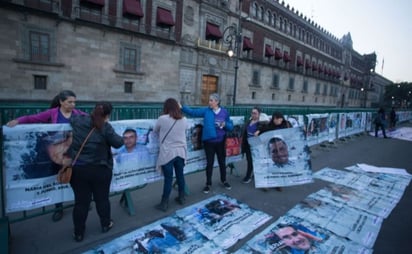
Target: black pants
[
  {"x": 90, "y": 182},
  {"x": 382, "y": 126},
  {"x": 212, "y": 148},
  {"x": 249, "y": 161}
]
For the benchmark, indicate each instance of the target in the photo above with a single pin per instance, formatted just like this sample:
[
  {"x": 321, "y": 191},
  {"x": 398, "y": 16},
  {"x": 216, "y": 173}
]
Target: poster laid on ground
[
  {"x": 281, "y": 158},
  {"x": 404, "y": 133},
  {"x": 391, "y": 185},
  {"x": 344, "y": 217},
  {"x": 294, "y": 235},
  {"x": 168, "y": 235},
  {"x": 335, "y": 219},
  {"x": 339, "y": 218},
  {"x": 209, "y": 226},
  {"x": 33, "y": 154},
  {"x": 222, "y": 219}
]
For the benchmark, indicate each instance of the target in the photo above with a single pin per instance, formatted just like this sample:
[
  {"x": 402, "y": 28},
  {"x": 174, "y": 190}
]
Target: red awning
[
  {"x": 268, "y": 51},
  {"x": 94, "y": 2},
  {"x": 278, "y": 54},
  {"x": 299, "y": 61},
  {"x": 314, "y": 66},
  {"x": 164, "y": 18},
  {"x": 307, "y": 64},
  {"x": 286, "y": 56},
  {"x": 247, "y": 44},
  {"x": 213, "y": 32},
  {"x": 133, "y": 8}
]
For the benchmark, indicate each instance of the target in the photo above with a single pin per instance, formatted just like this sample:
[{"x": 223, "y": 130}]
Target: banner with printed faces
[
  {"x": 33, "y": 154},
  {"x": 281, "y": 158}
]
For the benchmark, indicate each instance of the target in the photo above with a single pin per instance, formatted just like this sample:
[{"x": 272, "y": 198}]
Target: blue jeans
[{"x": 178, "y": 164}]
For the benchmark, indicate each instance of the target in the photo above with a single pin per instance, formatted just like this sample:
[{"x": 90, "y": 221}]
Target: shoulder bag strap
[
  {"x": 81, "y": 147},
  {"x": 169, "y": 131}
]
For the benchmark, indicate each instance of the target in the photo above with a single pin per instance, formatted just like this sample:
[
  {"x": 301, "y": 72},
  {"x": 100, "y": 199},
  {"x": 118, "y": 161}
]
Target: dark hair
[
  {"x": 130, "y": 130},
  {"x": 171, "y": 107},
  {"x": 257, "y": 108},
  {"x": 99, "y": 113},
  {"x": 276, "y": 139},
  {"x": 277, "y": 114},
  {"x": 285, "y": 123},
  {"x": 62, "y": 96}
]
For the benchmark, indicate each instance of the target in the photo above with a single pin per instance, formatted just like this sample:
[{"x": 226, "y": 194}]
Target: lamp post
[{"x": 232, "y": 36}]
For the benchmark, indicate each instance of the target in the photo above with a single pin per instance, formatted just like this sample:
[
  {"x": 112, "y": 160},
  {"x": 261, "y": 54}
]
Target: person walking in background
[
  {"x": 380, "y": 122},
  {"x": 392, "y": 119},
  {"x": 92, "y": 171},
  {"x": 62, "y": 108},
  {"x": 251, "y": 126},
  {"x": 216, "y": 121},
  {"x": 277, "y": 122},
  {"x": 171, "y": 129}
]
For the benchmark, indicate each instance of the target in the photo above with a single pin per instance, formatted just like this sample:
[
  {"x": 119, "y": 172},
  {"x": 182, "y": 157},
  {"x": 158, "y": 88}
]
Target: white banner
[
  {"x": 33, "y": 155},
  {"x": 281, "y": 158}
]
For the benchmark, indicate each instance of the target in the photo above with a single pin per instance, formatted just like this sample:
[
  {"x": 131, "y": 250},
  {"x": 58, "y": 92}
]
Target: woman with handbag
[
  {"x": 62, "y": 108},
  {"x": 92, "y": 170},
  {"x": 171, "y": 128}
]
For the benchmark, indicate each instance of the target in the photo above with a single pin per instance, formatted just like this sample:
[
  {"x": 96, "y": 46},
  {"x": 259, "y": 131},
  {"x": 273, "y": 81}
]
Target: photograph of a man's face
[{"x": 278, "y": 150}]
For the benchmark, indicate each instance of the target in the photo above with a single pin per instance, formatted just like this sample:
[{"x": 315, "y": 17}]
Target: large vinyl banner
[
  {"x": 281, "y": 158},
  {"x": 317, "y": 129},
  {"x": 33, "y": 155}
]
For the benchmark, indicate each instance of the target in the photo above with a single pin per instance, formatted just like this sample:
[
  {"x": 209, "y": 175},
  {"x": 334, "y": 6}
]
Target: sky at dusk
[{"x": 383, "y": 27}]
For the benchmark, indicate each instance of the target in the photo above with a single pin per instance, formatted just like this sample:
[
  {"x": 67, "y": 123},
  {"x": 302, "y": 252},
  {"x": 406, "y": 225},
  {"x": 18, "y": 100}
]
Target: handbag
[{"x": 65, "y": 173}]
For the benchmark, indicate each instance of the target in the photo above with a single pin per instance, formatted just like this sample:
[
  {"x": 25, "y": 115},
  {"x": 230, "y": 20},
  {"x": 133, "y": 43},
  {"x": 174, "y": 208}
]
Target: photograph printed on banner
[
  {"x": 33, "y": 154},
  {"x": 345, "y": 221},
  {"x": 281, "y": 158},
  {"x": 223, "y": 219},
  {"x": 292, "y": 235},
  {"x": 168, "y": 235},
  {"x": 135, "y": 161}
]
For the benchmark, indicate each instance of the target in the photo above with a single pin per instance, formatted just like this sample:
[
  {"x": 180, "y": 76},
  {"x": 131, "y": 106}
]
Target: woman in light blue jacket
[{"x": 216, "y": 121}]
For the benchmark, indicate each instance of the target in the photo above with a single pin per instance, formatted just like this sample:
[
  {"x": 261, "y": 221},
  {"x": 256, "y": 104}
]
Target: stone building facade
[{"x": 144, "y": 51}]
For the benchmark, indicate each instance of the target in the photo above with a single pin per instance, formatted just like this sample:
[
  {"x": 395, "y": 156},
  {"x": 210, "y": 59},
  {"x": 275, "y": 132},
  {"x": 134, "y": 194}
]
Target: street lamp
[{"x": 232, "y": 37}]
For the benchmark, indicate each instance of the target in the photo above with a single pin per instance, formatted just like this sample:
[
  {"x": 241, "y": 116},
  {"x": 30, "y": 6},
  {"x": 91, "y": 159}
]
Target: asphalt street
[{"x": 42, "y": 235}]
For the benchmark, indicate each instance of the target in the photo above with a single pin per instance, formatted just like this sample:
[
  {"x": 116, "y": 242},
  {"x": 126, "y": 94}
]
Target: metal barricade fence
[{"x": 9, "y": 111}]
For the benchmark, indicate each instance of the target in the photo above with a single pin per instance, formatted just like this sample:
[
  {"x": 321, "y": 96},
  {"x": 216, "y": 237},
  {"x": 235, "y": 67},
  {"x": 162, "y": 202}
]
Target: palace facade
[{"x": 144, "y": 51}]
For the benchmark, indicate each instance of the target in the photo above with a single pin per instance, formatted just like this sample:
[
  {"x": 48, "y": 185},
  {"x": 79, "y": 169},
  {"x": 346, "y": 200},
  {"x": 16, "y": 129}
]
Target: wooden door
[{"x": 209, "y": 86}]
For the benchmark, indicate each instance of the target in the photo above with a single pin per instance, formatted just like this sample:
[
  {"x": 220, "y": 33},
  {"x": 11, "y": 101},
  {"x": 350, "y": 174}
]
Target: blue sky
[{"x": 383, "y": 27}]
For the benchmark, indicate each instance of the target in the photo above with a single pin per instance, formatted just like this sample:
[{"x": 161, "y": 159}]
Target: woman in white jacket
[{"x": 171, "y": 129}]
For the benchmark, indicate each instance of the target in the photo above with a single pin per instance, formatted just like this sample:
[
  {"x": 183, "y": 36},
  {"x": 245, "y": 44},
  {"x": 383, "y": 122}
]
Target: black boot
[
  {"x": 164, "y": 205},
  {"x": 181, "y": 198}
]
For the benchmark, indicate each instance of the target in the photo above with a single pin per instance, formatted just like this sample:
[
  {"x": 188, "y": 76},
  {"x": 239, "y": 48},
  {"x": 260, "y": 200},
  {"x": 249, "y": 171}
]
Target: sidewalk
[{"x": 41, "y": 235}]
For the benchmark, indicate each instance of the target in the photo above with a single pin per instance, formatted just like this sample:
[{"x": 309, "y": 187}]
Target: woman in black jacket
[
  {"x": 92, "y": 172},
  {"x": 249, "y": 130}
]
